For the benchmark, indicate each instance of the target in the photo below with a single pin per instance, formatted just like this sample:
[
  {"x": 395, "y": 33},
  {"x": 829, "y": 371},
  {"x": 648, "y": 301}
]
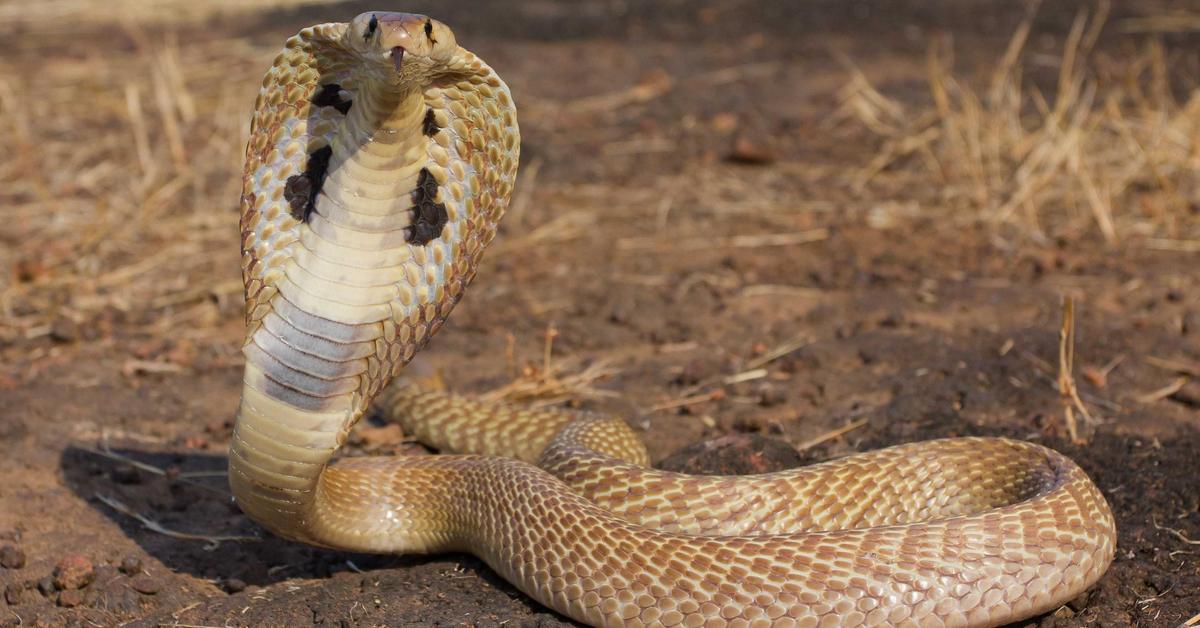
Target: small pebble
[
  {"x": 1190, "y": 324},
  {"x": 11, "y": 557},
  {"x": 14, "y": 594},
  {"x": 750, "y": 151},
  {"x": 73, "y": 572},
  {"x": 64, "y": 330},
  {"x": 234, "y": 585},
  {"x": 104, "y": 573},
  {"x": 770, "y": 396},
  {"x": 70, "y": 598},
  {"x": 131, "y": 565},
  {"x": 143, "y": 583},
  {"x": 46, "y": 586}
]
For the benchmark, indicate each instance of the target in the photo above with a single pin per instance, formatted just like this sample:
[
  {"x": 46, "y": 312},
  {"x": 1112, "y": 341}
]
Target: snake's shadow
[{"x": 192, "y": 498}]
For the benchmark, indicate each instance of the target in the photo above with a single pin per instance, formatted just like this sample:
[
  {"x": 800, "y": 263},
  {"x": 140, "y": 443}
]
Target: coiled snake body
[{"x": 381, "y": 158}]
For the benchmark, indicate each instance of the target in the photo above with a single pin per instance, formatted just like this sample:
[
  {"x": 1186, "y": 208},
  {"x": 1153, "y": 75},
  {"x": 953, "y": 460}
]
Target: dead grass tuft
[
  {"x": 1068, "y": 393},
  {"x": 1110, "y": 150},
  {"x": 552, "y": 381}
]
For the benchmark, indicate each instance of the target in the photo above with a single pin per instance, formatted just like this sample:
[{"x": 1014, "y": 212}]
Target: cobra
[{"x": 381, "y": 158}]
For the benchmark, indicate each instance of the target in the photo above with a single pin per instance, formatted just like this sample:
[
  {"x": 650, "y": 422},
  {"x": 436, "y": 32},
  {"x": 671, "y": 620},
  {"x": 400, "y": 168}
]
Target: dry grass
[
  {"x": 1068, "y": 393},
  {"x": 119, "y": 185},
  {"x": 63, "y": 15},
  {"x": 552, "y": 381},
  {"x": 119, "y": 182},
  {"x": 1111, "y": 150}
]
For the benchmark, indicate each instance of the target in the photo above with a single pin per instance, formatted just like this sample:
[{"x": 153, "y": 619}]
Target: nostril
[{"x": 397, "y": 56}]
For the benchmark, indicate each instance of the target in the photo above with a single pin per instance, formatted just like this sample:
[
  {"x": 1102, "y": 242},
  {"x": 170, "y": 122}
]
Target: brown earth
[{"x": 640, "y": 239}]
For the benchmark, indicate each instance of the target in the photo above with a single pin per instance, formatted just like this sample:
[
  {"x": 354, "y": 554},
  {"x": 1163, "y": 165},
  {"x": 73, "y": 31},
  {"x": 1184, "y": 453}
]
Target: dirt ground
[{"x": 693, "y": 225}]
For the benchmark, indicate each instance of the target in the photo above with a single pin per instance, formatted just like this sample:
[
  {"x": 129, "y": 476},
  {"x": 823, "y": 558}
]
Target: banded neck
[{"x": 381, "y": 113}]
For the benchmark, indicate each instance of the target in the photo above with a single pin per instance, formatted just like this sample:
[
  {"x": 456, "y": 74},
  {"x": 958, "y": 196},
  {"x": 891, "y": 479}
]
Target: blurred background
[{"x": 765, "y": 232}]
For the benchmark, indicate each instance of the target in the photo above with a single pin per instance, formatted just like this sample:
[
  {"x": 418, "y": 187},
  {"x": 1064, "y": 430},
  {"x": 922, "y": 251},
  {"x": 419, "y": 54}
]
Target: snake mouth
[{"x": 397, "y": 56}]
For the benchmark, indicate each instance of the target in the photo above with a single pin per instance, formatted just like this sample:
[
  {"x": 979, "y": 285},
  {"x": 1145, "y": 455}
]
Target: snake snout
[{"x": 398, "y": 35}]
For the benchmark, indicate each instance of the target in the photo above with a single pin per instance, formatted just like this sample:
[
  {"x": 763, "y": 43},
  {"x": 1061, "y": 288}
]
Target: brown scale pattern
[
  {"x": 960, "y": 532},
  {"x": 281, "y": 112},
  {"x": 488, "y": 144}
]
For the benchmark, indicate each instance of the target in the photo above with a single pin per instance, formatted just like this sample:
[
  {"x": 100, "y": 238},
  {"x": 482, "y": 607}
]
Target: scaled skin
[{"x": 351, "y": 266}]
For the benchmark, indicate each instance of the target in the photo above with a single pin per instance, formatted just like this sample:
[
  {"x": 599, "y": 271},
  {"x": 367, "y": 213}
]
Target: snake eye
[
  {"x": 372, "y": 26},
  {"x": 429, "y": 30}
]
